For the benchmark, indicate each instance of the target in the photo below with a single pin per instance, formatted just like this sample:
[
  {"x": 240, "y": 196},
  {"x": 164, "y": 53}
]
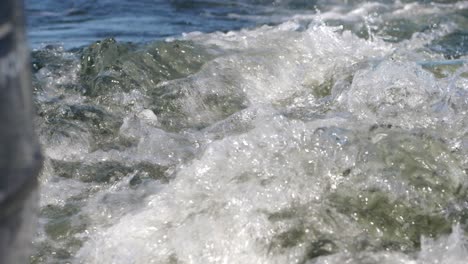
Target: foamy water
[{"x": 332, "y": 137}]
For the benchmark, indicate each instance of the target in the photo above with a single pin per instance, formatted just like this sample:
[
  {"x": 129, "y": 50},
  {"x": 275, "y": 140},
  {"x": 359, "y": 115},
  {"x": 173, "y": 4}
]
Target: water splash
[{"x": 302, "y": 142}]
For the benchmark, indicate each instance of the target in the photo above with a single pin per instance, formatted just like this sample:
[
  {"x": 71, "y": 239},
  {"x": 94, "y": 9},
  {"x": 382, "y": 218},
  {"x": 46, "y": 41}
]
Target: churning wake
[{"x": 331, "y": 137}]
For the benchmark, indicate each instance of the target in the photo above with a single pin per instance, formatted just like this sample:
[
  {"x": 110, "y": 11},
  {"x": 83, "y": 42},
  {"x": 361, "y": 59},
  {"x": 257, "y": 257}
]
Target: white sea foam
[
  {"x": 218, "y": 208},
  {"x": 293, "y": 143}
]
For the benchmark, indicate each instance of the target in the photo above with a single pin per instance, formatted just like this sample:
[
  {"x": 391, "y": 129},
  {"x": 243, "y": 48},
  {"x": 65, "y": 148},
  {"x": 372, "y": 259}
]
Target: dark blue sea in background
[{"x": 79, "y": 22}]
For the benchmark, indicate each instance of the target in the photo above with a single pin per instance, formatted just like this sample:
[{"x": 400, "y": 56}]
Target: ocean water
[{"x": 253, "y": 131}]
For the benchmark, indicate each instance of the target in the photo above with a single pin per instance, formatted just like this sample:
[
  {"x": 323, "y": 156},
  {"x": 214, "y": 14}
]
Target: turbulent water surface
[{"x": 313, "y": 132}]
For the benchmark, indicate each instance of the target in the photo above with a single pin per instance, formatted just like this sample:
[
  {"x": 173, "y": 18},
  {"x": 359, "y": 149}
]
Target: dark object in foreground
[{"x": 20, "y": 158}]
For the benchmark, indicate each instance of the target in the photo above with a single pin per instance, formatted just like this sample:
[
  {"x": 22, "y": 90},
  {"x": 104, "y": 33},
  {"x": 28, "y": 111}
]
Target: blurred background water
[{"x": 77, "y": 23}]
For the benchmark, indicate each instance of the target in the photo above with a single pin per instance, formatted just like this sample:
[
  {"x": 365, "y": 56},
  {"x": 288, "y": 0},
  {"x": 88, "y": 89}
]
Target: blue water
[{"x": 80, "y": 22}]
